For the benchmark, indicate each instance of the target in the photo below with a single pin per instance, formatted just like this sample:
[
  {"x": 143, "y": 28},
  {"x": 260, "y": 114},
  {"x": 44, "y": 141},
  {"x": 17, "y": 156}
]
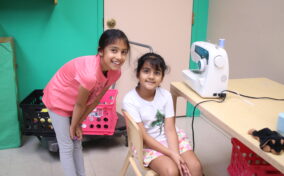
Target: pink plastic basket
[
  {"x": 102, "y": 120},
  {"x": 244, "y": 162}
]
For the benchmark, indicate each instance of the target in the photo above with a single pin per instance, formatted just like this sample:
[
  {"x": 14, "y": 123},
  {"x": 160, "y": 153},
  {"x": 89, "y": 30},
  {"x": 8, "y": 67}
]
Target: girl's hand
[
  {"x": 79, "y": 133},
  {"x": 76, "y": 133},
  {"x": 72, "y": 132},
  {"x": 183, "y": 169}
]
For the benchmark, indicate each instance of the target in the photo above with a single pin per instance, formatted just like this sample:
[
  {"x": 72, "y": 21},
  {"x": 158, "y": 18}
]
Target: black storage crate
[{"x": 35, "y": 116}]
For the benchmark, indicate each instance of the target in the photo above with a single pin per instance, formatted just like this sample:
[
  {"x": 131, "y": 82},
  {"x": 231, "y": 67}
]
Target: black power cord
[
  {"x": 269, "y": 98},
  {"x": 221, "y": 95}
]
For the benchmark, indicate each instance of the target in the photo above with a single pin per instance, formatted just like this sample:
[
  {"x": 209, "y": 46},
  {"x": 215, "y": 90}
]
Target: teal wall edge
[{"x": 198, "y": 33}]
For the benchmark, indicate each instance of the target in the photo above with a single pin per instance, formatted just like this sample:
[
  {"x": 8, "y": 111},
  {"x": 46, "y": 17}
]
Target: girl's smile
[
  {"x": 149, "y": 77},
  {"x": 114, "y": 55}
]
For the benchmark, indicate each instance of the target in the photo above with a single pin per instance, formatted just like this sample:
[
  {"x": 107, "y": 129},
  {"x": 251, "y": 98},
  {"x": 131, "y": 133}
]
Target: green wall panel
[
  {"x": 48, "y": 35},
  {"x": 198, "y": 33}
]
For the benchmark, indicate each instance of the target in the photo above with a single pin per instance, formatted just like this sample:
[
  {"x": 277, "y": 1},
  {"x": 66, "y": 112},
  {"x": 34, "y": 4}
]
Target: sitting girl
[{"x": 166, "y": 148}]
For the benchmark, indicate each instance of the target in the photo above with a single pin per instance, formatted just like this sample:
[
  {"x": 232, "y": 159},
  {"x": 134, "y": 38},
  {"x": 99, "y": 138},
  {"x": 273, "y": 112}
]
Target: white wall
[{"x": 254, "y": 33}]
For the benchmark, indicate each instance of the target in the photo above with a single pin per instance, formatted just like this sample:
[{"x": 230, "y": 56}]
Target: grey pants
[{"x": 70, "y": 151}]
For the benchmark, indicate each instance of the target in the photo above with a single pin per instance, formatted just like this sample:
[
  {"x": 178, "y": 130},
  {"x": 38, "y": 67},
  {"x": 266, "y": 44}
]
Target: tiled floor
[{"x": 105, "y": 156}]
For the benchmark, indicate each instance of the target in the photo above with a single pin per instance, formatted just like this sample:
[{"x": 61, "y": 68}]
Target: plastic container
[
  {"x": 36, "y": 120},
  {"x": 244, "y": 162},
  {"x": 102, "y": 120}
]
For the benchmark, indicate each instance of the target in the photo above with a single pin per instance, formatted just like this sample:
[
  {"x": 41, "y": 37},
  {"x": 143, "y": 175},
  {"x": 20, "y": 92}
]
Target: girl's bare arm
[
  {"x": 92, "y": 106},
  {"x": 79, "y": 109},
  {"x": 173, "y": 143},
  {"x": 171, "y": 134},
  {"x": 152, "y": 143}
]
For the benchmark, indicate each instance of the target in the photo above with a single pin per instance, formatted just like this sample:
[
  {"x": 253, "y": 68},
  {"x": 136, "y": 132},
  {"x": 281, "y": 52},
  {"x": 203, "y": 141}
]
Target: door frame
[{"x": 198, "y": 33}]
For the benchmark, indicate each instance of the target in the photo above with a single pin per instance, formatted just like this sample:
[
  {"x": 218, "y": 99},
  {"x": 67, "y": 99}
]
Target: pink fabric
[
  {"x": 61, "y": 92},
  {"x": 150, "y": 154}
]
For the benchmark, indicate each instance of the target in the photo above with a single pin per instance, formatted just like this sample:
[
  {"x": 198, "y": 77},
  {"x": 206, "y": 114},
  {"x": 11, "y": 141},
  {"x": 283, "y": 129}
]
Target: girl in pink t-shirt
[{"x": 76, "y": 89}]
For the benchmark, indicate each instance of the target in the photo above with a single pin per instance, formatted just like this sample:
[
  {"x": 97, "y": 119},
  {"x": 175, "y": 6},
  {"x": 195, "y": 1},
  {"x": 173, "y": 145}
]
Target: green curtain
[{"x": 9, "y": 123}]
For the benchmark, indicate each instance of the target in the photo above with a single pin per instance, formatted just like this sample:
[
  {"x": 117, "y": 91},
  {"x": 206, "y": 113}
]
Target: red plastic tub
[
  {"x": 102, "y": 120},
  {"x": 244, "y": 162}
]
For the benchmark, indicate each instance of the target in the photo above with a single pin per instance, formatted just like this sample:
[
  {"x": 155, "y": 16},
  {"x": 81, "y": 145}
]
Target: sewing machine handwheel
[
  {"x": 219, "y": 61},
  {"x": 202, "y": 64}
]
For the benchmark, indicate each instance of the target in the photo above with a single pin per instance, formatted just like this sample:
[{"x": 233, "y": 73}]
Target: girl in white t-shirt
[{"x": 167, "y": 150}]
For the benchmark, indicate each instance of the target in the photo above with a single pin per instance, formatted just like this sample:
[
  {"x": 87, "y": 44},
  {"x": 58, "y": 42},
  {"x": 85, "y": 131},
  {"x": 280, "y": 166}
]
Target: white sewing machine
[{"x": 212, "y": 74}]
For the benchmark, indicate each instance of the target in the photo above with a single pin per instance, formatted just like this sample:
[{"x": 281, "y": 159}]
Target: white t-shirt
[{"x": 151, "y": 113}]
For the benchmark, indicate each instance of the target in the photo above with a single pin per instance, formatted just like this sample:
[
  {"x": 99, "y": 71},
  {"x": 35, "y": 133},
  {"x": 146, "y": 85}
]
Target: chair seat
[{"x": 151, "y": 173}]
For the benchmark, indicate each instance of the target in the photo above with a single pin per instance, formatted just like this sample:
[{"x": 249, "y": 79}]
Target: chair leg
[
  {"x": 125, "y": 165},
  {"x": 134, "y": 166}
]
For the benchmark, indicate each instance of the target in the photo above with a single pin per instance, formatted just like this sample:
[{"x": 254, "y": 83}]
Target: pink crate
[
  {"x": 244, "y": 162},
  {"x": 102, "y": 120}
]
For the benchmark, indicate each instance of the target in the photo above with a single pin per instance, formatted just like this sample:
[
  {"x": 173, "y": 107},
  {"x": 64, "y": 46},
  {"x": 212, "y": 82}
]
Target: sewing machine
[{"x": 212, "y": 74}]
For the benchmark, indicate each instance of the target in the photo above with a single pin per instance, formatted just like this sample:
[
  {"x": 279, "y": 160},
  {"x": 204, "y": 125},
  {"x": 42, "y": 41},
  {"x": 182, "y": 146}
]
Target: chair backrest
[
  {"x": 135, "y": 138},
  {"x": 135, "y": 149}
]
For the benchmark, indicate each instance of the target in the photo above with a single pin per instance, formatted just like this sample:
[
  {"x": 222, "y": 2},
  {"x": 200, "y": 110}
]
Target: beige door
[{"x": 165, "y": 25}]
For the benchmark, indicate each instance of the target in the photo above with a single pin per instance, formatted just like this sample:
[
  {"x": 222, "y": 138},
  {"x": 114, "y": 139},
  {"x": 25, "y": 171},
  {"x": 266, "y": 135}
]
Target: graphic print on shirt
[{"x": 160, "y": 120}]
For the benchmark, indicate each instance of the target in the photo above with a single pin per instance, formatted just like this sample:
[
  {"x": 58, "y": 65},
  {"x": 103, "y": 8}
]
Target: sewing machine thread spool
[
  {"x": 280, "y": 123},
  {"x": 221, "y": 43}
]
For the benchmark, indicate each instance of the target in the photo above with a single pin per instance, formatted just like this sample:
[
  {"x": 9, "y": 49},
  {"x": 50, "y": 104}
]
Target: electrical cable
[
  {"x": 223, "y": 96},
  {"x": 269, "y": 98}
]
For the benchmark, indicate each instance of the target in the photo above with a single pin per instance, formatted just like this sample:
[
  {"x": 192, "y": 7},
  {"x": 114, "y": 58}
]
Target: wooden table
[{"x": 236, "y": 115}]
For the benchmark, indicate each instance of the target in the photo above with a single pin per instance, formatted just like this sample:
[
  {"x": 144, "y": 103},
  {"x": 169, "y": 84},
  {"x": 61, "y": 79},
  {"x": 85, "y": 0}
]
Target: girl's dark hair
[
  {"x": 155, "y": 60},
  {"x": 110, "y": 36}
]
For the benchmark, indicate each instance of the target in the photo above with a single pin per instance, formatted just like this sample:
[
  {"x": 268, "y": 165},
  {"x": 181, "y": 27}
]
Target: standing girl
[
  {"x": 76, "y": 89},
  {"x": 166, "y": 148}
]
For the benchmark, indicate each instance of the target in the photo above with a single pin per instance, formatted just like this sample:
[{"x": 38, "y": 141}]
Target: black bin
[{"x": 36, "y": 120}]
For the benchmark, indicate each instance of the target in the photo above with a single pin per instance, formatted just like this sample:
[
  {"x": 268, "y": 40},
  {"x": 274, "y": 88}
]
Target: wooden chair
[{"x": 135, "y": 140}]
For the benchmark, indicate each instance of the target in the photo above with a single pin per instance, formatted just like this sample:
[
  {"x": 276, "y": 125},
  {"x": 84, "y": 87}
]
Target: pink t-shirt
[{"x": 61, "y": 92}]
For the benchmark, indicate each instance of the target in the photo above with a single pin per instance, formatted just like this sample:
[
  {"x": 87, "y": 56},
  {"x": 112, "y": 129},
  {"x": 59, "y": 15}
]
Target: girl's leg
[
  {"x": 78, "y": 158},
  {"x": 192, "y": 163},
  {"x": 165, "y": 166},
  {"x": 188, "y": 155},
  {"x": 66, "y": 146}
]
